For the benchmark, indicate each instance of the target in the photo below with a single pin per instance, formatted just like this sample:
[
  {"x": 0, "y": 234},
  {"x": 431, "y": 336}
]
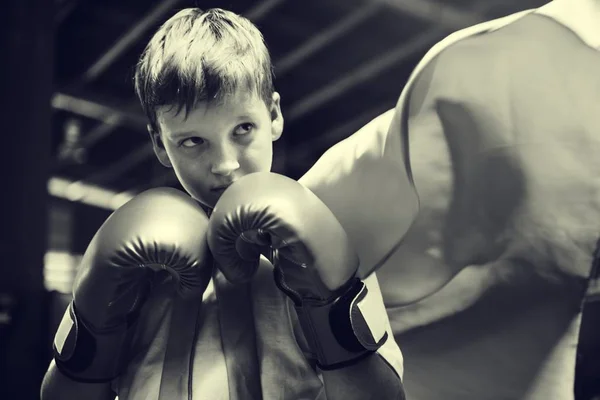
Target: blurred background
[{"x": 76, "y": 146}]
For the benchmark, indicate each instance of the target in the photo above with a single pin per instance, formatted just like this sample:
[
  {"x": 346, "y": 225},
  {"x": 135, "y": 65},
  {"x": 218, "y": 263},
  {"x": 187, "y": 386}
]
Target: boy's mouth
[{"x": 219, "y": 189}]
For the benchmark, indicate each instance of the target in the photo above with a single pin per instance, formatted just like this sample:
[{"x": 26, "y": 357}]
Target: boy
[{"x": 205, "y": 83}]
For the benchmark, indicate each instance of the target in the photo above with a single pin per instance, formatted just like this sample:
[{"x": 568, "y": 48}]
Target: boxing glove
[
  {"x": 161, "y": 231},
  {"x": 315, "y": 264}
]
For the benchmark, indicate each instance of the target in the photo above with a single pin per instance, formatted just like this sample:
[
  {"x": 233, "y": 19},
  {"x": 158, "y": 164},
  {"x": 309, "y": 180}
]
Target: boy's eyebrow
[
  {"x": 239, "y": 118},
  {"x": 175, "y": 135}
]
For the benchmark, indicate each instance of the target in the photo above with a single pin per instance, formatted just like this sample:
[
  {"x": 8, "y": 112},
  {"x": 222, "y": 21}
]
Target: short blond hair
[{"x": 202, "y": 56}]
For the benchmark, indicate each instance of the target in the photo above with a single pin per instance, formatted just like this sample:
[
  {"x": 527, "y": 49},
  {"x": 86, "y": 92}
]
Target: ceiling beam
[
  {"x": 101, "y": 130},
  {"x": 372, "y": 68},
  {"x": 435, "y": 12},
  {"x": 324, "y": 38},
  {"x": 363, "y": 73},
  {"x": 64, "y": 8},
  {"x": 93, "y": 195},
  {"x": 262, "y": 9},
  {"x": 305, "y": 151},
  {"x": 127, "y": 40},
  {"x": 94, "y": 109}
]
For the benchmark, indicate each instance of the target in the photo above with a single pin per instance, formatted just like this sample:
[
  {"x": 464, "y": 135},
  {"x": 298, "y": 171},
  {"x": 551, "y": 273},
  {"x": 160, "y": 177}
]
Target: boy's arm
[
  {"x": 342, "y": 316},
  {"x": 378, "y": 376},
  {"x": 370, "y": 378},
  {"x": 160, "y": 231},
  {"x": 57, "y": 386},
  {"x": 373, "y": 377}
]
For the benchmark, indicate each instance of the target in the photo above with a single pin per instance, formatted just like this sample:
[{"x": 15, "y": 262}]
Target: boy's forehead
[
  {"x": 239, "y": 104},
  {"x": 241, "y": 99}
]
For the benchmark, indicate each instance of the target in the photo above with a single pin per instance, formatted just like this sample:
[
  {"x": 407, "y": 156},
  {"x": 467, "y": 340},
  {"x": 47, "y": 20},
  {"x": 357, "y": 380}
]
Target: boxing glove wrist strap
[
  {"x": 87, "y": 356},
  {"x": 341, "y": 331}
]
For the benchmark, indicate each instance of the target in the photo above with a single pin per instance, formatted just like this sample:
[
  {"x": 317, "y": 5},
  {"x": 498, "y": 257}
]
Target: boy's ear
[
  {"x": 276, "y": 117},
  {"x": 159, "y": 147}
]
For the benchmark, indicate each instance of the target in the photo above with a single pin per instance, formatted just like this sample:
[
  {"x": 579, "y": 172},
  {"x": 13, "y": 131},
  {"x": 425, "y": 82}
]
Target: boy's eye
[
  {"x": 191, "y": 142},
  {"x": 243, "y": 129}
]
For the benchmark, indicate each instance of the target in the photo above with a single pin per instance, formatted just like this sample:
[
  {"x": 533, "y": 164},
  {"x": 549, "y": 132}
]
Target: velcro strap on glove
[
  {"x": 337, "y": 330},
  {"x": 87, "y": 356}
]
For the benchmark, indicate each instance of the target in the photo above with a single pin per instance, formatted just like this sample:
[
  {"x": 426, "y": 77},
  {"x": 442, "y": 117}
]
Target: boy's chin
[{"x": 205, "y": 201}]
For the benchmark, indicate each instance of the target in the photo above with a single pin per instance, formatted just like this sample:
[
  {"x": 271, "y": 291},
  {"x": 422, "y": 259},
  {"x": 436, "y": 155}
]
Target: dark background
[{"x": 74, "y": 136}]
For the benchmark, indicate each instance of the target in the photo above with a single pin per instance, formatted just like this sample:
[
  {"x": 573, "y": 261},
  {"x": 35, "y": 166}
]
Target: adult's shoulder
[{"x": 468, "y": 61}]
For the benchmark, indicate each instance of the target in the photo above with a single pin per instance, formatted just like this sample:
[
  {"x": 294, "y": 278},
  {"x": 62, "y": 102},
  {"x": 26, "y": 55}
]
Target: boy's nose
[
  {"x": 225, "y": 163},
  {"x": 225, "y": 168}
]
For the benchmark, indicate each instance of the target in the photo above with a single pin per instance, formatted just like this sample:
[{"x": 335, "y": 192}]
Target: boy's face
[{"x": 218, "y": 143}]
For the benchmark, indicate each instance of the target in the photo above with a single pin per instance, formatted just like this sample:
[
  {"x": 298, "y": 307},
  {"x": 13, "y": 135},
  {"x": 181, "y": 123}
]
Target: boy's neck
[{"x": 208, "y": 210}]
